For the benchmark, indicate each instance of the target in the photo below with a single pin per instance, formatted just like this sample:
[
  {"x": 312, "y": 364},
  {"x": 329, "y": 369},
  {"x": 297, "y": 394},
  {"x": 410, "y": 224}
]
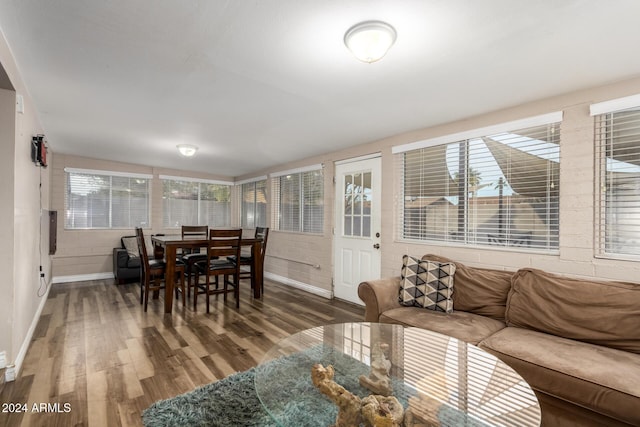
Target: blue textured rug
[
  {"x": 230, "y": 402},
  {"x": 233, "y": 402}
]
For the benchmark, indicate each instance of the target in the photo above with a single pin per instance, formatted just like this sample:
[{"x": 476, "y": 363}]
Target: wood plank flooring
[{"x": 102, "y": 360}]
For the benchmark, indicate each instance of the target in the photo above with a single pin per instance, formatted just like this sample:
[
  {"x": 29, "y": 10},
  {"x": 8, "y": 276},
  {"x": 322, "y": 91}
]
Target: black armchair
[{"x": 126, "y": 261}]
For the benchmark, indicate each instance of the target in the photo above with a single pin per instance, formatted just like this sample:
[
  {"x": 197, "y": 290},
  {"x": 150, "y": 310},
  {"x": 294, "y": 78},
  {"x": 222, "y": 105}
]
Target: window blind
[
  {"x": 194, "y": 202},
  {"x": 298, "y": 201},
  {"x": 253, "y": 196},
  {"x": 103, "y": 199},
  {"x": 617, "y": 144},
  {"x": 499, "y": 190}
]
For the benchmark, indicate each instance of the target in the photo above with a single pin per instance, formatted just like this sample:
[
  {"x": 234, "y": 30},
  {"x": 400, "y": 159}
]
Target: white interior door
[{"x": 357, "y": 230}]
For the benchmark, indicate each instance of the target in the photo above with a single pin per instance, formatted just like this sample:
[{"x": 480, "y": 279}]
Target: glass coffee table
[{"x": 441, "y": 380}]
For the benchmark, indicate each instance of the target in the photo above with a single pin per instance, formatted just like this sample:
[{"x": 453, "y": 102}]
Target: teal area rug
[
  {"x": 230, "y": 402},
  {"x": 233, "y": 402}
]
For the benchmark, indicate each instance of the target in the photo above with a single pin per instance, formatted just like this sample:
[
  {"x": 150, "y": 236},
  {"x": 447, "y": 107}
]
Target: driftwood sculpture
[
  {"x": 378, "y": 381},
  {"x": 382, "y": 411},
  {"x": 349, "y": 413},
  {"x": 372, "y": 411}
]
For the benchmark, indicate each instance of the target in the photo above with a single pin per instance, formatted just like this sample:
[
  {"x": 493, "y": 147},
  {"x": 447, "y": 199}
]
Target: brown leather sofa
[{"x": 576, "y": 342}]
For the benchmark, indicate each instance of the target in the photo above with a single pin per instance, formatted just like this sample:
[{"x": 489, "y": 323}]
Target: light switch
[{"x": 19, "y": 104}]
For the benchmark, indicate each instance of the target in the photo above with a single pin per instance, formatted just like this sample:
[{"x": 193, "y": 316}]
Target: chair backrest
[
  {"x": 223, "y": 243},
  {"x": 195, "y": 231},
  {"x": 142, "y": 248},
  {"x": 262, "y": 233}
]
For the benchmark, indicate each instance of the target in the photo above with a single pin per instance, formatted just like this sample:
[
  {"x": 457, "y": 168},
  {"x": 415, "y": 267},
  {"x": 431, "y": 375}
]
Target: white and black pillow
[
  {"x": 427, "y": 284},
  {"x": 131, "y": 245}
]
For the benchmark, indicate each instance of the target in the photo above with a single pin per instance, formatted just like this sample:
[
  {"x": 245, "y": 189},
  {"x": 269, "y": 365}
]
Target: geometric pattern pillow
[{"x": 427, "y": 284}]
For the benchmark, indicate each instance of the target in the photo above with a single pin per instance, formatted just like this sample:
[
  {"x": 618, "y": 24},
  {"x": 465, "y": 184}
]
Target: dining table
[{"x": 166, "y": 247}]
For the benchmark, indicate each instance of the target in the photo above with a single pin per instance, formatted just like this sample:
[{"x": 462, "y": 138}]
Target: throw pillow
[
  {"x": 131, "y": 245},
  {"x": 427, "y": 284}
]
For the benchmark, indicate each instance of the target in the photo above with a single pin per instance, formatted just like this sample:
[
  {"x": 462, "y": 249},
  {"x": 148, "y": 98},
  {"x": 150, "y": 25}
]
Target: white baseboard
[
  {"x": 82, "y": 277},
  {"x": 299, "y": 285},
  {"x": 32, "y": 328}
]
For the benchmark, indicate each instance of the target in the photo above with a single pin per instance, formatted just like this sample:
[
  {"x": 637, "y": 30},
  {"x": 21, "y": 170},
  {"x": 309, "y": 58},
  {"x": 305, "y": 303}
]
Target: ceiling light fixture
[
  {"x": 187, "y": 150},
  {"x": 369, "y": 41}
]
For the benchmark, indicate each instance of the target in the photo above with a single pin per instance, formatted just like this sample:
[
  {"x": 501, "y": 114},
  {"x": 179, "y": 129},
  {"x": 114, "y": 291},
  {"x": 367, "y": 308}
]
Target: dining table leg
[
  {"x": 170, "y": 260},
  {"x": 256, "y": 268}
]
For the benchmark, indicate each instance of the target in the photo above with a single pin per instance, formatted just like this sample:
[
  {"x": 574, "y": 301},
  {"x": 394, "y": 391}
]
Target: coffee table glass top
[{"x": 443, "y": 381}]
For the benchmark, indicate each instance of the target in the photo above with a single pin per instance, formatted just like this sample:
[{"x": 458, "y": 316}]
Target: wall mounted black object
[{"x": 39, "y": 151}]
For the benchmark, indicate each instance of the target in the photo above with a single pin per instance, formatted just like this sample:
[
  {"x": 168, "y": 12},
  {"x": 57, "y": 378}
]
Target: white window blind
[
  {"x": 617, "y": 140},
  {"x": 253, "y": 204},
  {"x": 195, "y": 202},
  {"x": 298, "y": 201},
  {"x": 103, "y": 199},
  {"x": 498, "y": 190}
]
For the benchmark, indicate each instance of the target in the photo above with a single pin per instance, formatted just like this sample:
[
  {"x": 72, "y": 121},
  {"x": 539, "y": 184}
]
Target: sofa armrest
[
  {"x": 379, "y": 296},
  {"x": 120, "y": 258}
]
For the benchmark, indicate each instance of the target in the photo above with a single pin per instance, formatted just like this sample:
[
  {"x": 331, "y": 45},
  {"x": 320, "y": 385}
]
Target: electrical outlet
[
  {"x": 10, "y": 373},
  {"x": 3, "y": 359}
]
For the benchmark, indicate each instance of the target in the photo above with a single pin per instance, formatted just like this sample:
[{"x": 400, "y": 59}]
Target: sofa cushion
[
  {"x": 602, "y": 313},
  {"x": 479, "y": 290},
  {"x": 465, "y": 326},
  {"x": 426, "y": 284},
  {"x": 133, "y": 262},
  {"x": 603, "y": 379}
]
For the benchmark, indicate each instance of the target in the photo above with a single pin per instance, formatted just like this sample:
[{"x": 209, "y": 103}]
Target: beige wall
[
  {"x": 576, "y": 255},
  {"x": 87, "y": 252},
  {"x": 24, "y": 192},
  {"x": 577, "y": 196}
]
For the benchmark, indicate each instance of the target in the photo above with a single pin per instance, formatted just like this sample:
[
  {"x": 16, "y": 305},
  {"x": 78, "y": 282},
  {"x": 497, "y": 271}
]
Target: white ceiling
[{"x": 258, "y": 83}]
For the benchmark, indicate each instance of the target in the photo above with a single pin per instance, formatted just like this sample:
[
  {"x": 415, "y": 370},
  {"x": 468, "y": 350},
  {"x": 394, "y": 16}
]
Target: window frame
[
  {"x": 110, "y": 175},
  {"x": 604, "y": 122},
  {"x": 254, "y": 182},
  {"x": 549, "y": 245},
  {"x": 315, "y": 224},
  {"x": 199, "y": 182}
]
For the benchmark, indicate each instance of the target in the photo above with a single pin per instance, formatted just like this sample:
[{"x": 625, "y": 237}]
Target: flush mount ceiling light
[
  {"x": 369, "y": 41},
  {"x": 187, "y": 150}
]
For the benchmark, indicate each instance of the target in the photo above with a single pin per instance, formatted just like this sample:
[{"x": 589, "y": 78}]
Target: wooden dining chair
[
  {"x": 190, "y": 257},
  {"x": 154, "y": 271},
  {"x": 222, "y": 243},
  {"x": 261, "y": 233}
]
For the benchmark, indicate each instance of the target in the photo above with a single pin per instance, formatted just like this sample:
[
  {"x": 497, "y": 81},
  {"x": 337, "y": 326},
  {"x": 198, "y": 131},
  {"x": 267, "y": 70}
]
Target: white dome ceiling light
[
  {"x": 369, "y": 41},
  {"x": 187, "y": 150}
]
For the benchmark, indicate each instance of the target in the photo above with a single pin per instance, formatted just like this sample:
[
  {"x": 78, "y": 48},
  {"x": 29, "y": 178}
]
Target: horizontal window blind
[
  {"x": 191, "y": 202},
  {"x": 499, "y": 190},
  {"x": 254, "y": 204},
  {"x": 102, "y": 199},
  {"x": 298, "y": 201},
  {"x": 617, "y": 140}
]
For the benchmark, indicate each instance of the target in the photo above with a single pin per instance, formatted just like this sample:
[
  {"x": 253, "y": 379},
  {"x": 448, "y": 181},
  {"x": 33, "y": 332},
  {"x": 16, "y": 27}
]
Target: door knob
[{"x": 376, "y": 246}]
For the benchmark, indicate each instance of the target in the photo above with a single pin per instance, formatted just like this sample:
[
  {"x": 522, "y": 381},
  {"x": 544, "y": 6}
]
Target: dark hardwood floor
[{"x": 102, "y": 360}]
